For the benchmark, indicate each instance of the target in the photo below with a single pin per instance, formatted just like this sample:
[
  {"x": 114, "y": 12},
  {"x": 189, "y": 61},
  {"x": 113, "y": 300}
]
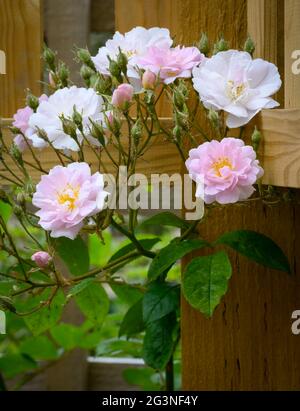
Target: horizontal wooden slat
[
  {"x": 281, "y": 147},
  {"x": 161, "y": 157},
  {"x": 280, "y": 153}
]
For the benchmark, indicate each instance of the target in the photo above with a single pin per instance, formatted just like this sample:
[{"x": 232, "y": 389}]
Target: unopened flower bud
[
  {"x": 21, "y": 198},
  {"x": 221, "y": 45},
  {"x": 114, "y": 69},
  {"x": 256, "y": 139},
  {"x": 49, "y": 57},
  {"x": 122, "y": 61},
  {"x": 249, "y": 45},
  {"x": 77, "y": 118},
  {"x": 18, "y": 211},
  {"x": 203, "y": 44},
  {"x": 103, "y": 84},
  {"x": 69, "y": 127},
  {"x": 137, "y": 129},
  {"x": 63, "y": 74},
  {"x": 52, "y": 79},
  {"x": 86, "y": 72},
  {"x": 32, "y": 101},
  {"x": 97, "y": 132},
  {"x": 41, "y": 258},
  {"x": 16, "y": 153},
  {"x": 148, "y": 80},
  {"x": 84, "y": 56},
  {"x": 122, "y": 96},
  {"x": 213, "y": 117}
]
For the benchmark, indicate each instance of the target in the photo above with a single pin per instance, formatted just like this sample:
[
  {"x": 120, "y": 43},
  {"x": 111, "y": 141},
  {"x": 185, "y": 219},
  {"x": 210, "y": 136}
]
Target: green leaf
[
  {"x": 115, "y": 347},
  {"x": 170, "y": 254},
  {"x": 39, "y": 348},
  {"x": 74, "y": 253},
  {"x": 5, "y": 211},
  {"x": 146, "y": 378},
  {"x": 99, "y": 250},
  {"x": 133, "y": 320},
  {"x": 66, "y": 335},
  {"x": 147, "y": 243},
  {"x": 126, "y": 293},
  {"x": 80, "y": 287},
  {"x": 46, "y": 317},
  {"x": 6, "y": 304},
  {"x": 158, "y": 342},
  {"x": 93, "y": 302},
  {"x": 166, "y": 219},
  {"x": 159, "y": 300},
  {"x": 205, "y": 281},
  {"x": 257, "y": 247},
  {"x": 14, "y": 364}
]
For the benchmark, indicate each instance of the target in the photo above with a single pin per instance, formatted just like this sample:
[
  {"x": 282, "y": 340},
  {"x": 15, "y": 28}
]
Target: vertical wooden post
[
  {"x": 248, "y": 343},
  {"x": 21, "y": 41}
]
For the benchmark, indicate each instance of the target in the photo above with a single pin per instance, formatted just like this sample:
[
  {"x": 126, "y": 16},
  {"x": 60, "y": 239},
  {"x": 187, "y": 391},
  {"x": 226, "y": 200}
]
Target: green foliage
[
  {"x": 14, "y": 364},
  {"x": 74, "y": 253},
  {"x": 67, "y": 335},
  {"x": 205, "y": 281},
  {"x": 159, "y": 300},
  {"x": 39, "y": 348},
  {"x": 147, "y": 244},
  {"x": 126, "y": 292},
  {"x": 170, "y": 254},
  {"x": 46, "y": 317},
  {"x": 159, "y": 341},
  {"x": 5, "y": 211},
  {"x": 93, "y": 302},
  {"x": 99, "y": 250},
  {"x": 165, "y": 219},
  {"x": 146, "y": 378},
  {"x": 133, "y": 322},
  {"x": 257, "y": 247}
]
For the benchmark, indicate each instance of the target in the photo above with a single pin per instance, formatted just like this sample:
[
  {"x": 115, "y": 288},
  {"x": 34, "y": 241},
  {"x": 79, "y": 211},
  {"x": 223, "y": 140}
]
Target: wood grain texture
[
  {"x": 291, "y": 43},
  {"x": 67, "y": 24},
  {"x": 281, "y": 147},
  {"x": 21, "y": 40}
]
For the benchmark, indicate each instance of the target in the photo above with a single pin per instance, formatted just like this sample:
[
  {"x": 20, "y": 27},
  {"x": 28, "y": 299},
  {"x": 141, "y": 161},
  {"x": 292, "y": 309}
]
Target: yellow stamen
[
  {"x": 234, "y": 91},
  {"x": 68, "y": 196},
  {"x": 222, "y": 162}
]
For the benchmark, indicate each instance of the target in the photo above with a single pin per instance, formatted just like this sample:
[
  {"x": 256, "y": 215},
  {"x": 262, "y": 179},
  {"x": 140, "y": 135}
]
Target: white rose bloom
[
  {"x": 62, "y": 102},
  {"x": 133, "y": 44},
  {"x": 233, "y": 82}
]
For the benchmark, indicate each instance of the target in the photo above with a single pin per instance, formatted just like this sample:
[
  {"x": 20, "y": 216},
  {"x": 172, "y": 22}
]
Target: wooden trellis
[{"x": 248, "y": 343}]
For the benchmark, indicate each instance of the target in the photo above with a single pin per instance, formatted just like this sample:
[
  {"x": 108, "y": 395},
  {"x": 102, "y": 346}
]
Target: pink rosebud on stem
[
  {"x": 122, "y": 96},
  {"x": 148, "y": 80},
  {"x": 41, "y": 258}
]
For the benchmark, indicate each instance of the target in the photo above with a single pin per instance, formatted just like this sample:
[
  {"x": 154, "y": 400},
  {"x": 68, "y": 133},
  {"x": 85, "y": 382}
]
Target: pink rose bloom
[
  {"x": 21, "y": 121},
  {"x": 66, "y": 196},
  {"x": 227, "y": 168},
  {"x": 41, "y": 258},
  {"x": 171, "y": 63},
  {"x": 122, "y": 96},
  {"x": 21, "y": 118}
]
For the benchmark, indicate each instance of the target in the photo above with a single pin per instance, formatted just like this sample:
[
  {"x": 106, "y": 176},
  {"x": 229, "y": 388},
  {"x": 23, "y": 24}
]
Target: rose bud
[
  {"x": 148, "y": 80},
  {"x": 41, "y": 258},
  {"x": 122, "y": 96}
]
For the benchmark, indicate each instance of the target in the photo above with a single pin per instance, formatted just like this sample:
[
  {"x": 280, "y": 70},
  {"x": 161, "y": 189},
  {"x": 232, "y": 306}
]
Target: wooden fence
[{"x": 248, "y": 343}]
